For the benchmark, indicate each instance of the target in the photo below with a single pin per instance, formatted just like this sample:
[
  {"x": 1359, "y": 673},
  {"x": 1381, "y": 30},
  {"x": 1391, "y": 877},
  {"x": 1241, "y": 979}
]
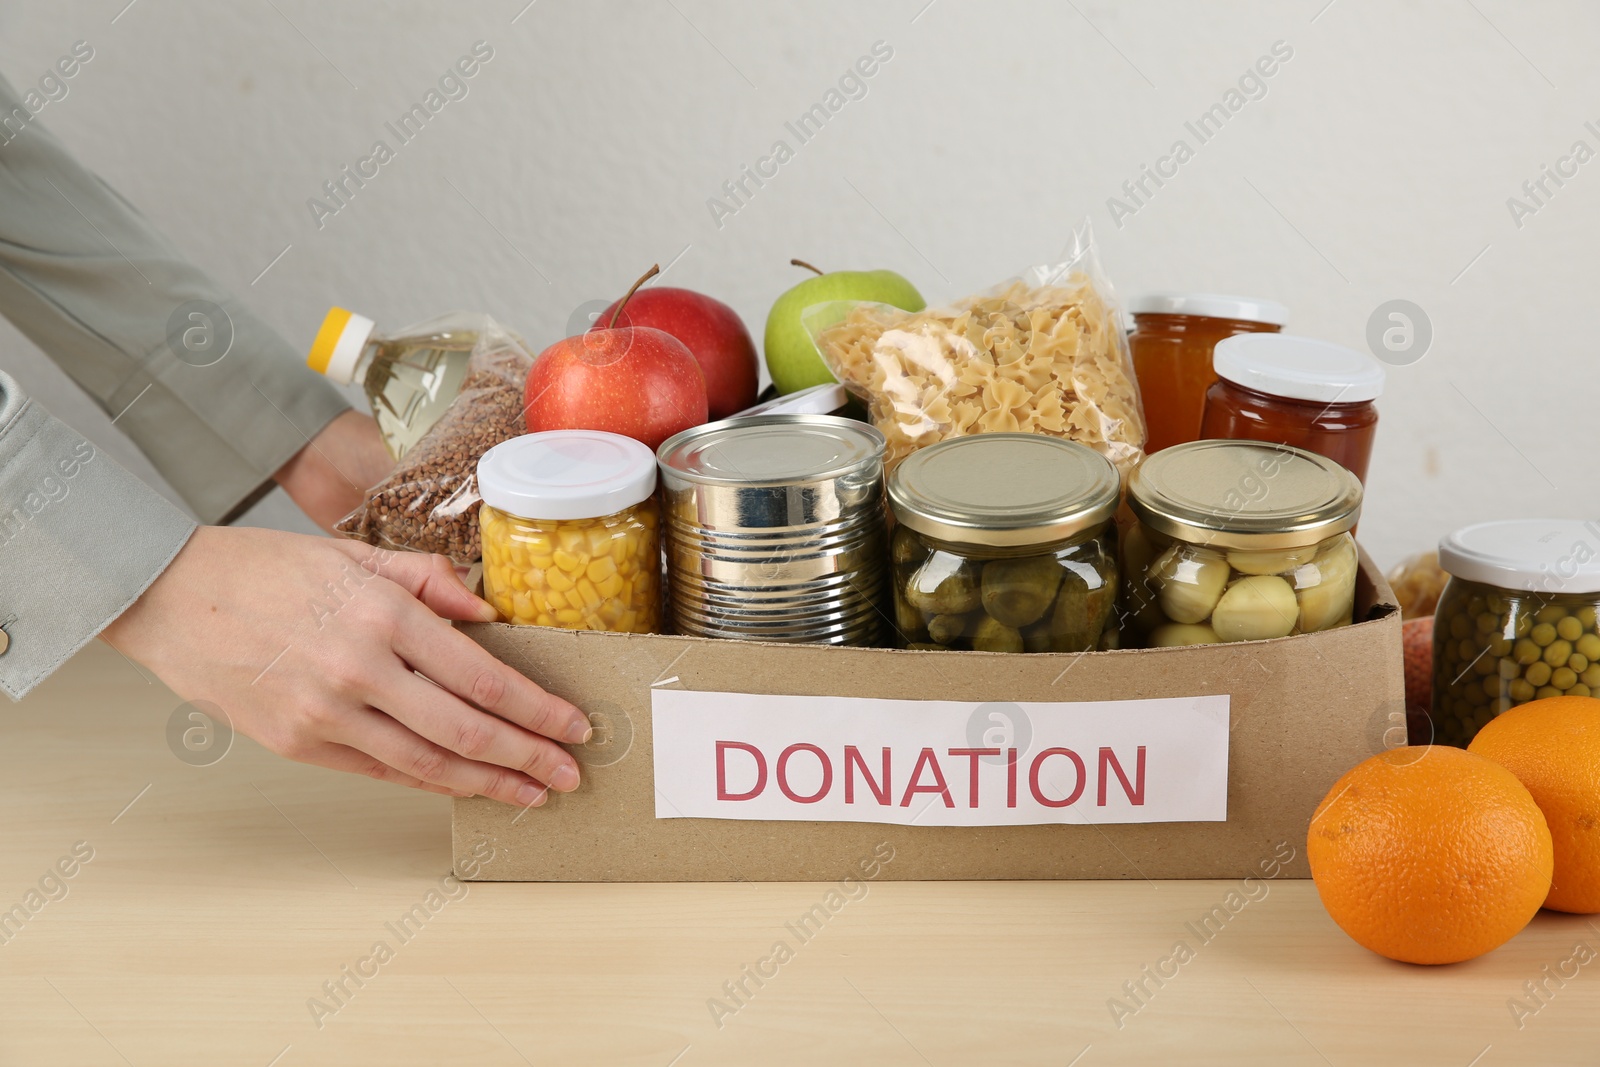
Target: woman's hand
[
  {"x": 329, "y": 478},
  {"x": 310, "y": 644}
]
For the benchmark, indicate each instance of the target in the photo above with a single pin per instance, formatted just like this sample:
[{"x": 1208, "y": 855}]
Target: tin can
[{"x": 774, "y": 528}]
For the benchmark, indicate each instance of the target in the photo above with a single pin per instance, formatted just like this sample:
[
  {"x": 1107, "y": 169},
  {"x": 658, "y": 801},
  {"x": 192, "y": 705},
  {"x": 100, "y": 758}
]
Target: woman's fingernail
[
  {"x": 487, "y": 612},
  {"x": 532, "y": 795},
  {"x": 580, "y": 732},
  {"x": 565, "y": 778}
]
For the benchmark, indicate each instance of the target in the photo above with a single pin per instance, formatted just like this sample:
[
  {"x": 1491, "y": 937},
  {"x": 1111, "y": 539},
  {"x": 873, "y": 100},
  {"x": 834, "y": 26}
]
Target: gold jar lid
[
  {"x": 1244, "y": 494},
  {"x": 1004, "y": 490}
]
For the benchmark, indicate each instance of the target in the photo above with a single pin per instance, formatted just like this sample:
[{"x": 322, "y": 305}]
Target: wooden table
[{"x": 220, "y": 899}]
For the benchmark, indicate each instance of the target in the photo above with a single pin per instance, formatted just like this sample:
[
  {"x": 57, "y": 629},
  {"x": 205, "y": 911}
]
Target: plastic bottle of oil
[{"x": 410, "y": 377}]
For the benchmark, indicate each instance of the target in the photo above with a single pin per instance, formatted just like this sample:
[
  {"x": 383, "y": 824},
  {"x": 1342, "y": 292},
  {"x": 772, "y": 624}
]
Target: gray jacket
[{"x": 214, "y": 397}]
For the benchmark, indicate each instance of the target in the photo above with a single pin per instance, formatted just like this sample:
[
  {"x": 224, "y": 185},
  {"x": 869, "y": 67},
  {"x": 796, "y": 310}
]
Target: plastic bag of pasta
[{"x": 1042, "y": 353}]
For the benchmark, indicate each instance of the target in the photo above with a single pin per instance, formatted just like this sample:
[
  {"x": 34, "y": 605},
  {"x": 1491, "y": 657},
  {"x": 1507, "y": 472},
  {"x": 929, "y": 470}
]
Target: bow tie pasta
[{"x": 1048, "y": 359}]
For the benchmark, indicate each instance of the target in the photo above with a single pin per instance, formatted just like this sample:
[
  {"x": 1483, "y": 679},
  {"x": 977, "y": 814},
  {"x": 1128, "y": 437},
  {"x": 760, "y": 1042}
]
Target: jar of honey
[
  {"x": 1171, "y": 343},
  {"x": 1296, "y": 391},
  {"x": 570, "y": 531}
]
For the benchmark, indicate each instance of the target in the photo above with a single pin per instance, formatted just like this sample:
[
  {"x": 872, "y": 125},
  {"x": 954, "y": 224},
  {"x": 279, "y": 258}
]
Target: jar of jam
[
  {"x": 1296, "y": 391},
  {"x": 1171, "y": 343},
  {"x": 569, "y": 524},
  {"x": 1004, "y": 543},
  {"x": 1238, "y": 541},
  {"x": 1516, "y": 621}
]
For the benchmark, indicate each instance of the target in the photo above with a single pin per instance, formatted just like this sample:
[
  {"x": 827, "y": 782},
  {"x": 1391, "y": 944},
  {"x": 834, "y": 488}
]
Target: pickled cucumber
[
  {"x": 990, "y": 635},
  {"x": 1173, "y": 634},
  {"x": 1017, "y": 592},
  {"x": 908, "y": 620},
  {"x": 1190, "y": 582},
  {"x": 1330, "y": 601},
  {"x": 1255, "y": 609},
  {"x": 945, "y": 584},
  {"x": 907, "y": 548},
  {"x": 947, "y": 629}
]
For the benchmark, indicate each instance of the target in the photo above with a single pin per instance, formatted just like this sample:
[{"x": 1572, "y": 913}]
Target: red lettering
[
  {"x": 1033, "y": 777},
  {"x": 973, "y": 755},
  {"x": 722, "y": 771},
  {"x": 927, "y": 759},
  {"x": 783, "y": 775},
  {"x": 1135, "y": 792},
  {"x": 1011, "y": 777},
  {"x": 852, "y": 759}
]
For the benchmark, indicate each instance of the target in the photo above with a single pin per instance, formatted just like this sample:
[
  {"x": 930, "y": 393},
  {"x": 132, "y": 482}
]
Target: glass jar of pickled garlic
[
  {"x": 1171, "y": 344},
  {"x": 1516, "y": 621},
  {"x": 570, "y": 531},
  {"x": 1238, "y": 541}
]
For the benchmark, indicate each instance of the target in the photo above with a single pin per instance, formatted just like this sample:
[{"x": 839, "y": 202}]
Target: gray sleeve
[
  {"x": 80, "y": 539},
  {"x": 212, "y": 395}
]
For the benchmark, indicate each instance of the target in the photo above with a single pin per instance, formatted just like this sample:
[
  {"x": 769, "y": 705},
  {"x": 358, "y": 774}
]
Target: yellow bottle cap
[{"x": 338, "y": 345}]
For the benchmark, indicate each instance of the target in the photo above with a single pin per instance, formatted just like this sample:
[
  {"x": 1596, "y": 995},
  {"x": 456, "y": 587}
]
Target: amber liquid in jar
[
  {"x": 1172, "y": 361},
  {"x": 1342, "y": 432}
]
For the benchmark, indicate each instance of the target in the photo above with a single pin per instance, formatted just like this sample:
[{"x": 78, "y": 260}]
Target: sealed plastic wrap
[
  {"x": 1042, "y": 353},
  {"x": 430, "y": 503}
]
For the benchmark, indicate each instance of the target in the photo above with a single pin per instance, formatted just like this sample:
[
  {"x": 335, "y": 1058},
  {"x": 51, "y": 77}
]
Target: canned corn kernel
[{"x": 570, "y": 532}]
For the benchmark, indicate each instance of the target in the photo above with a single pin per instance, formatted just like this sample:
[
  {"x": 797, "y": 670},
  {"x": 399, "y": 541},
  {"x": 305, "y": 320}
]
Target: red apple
[
  {"x": 634, "y": 380},
  {"x": 713, "y": 333}
]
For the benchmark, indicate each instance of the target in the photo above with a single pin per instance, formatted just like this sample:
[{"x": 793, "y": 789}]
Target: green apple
[{"x": 792, "y": 357}]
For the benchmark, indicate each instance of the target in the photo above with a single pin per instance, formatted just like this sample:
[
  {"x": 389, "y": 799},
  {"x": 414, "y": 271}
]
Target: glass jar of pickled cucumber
[
  {"x": 1516, "y": 621},
  {"x": 570, "y": 531},
  {"x": 1004, "y": 543},
  {"x": 1238, "y": 541}
]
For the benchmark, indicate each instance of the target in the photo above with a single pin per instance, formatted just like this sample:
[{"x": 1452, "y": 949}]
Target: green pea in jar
[{"x": 1516, "y": 621}]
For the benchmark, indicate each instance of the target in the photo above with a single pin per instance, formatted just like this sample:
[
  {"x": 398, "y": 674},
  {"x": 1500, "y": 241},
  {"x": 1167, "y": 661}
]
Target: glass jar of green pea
[{"x": 1517, "y": 620}]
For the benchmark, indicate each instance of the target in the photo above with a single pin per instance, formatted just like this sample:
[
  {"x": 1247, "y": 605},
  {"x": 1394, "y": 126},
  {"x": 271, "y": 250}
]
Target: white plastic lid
[
  {"x": 1535, "y": 555},
  {"x": 817, "y": 400},
  {"x": 566, "y": 474},
  {"x": 1299, "y": 368},
  {"x": 1211, "y": 306}
]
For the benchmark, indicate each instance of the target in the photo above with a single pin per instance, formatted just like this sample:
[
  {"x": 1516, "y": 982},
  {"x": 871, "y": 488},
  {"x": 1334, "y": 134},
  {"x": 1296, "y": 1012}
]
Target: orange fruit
[
  {"x": 1429, "y": 854},
  {"x": 1553, "y": 747}
]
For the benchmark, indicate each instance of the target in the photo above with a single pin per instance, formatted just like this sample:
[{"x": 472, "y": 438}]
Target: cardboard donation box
[{"x": 739, "y": 761}]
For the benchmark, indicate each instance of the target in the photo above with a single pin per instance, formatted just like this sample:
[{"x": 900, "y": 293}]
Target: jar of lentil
[
  {"x": 1296, "y": 391},
  {"x": 1004, "y": 543},
  {"x": 1516, "y": 621},
  {"x": 569, "y": 524},
  {"x": 1171, "y": 343},
  {"x": 1238, "y": 541}
]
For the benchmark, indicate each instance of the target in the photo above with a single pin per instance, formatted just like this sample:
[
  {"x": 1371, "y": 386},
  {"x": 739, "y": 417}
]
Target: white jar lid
[
  {"x": 1535, "y": 555},
  {"x": 1299, "y": 368},
  {"x": 817, "y": 400},
  {"x": 566, "y": 474},
  {"x": 1211, "y": 306}
]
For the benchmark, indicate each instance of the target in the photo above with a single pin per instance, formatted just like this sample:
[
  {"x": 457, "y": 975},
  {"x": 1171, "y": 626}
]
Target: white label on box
[{"x": 939, "y": 762}]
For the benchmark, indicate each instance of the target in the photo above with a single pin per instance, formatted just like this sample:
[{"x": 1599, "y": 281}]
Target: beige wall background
[{"x": 1375, "y": 164}]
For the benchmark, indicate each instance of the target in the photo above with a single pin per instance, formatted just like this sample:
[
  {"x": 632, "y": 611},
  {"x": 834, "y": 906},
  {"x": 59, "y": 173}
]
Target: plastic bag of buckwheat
[{"x": 430, "y": 502}]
